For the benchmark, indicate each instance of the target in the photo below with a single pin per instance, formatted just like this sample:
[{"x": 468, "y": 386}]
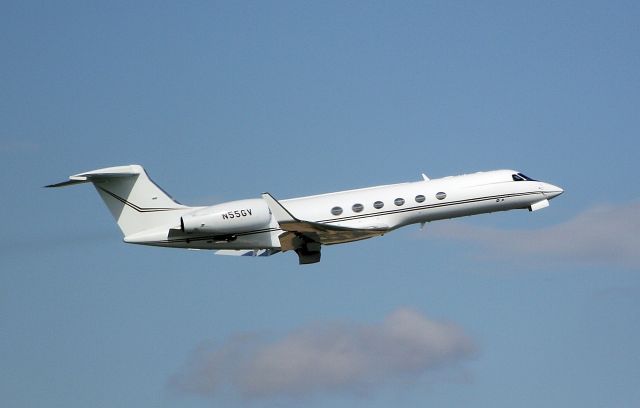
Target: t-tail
[{"x": 135, "y": 201}]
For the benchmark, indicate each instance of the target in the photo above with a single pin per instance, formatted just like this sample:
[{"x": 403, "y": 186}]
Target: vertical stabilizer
[{"x": 134, "y": 200}]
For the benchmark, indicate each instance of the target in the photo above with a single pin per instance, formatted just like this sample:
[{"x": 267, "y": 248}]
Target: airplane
[{"x": 264, "y": 226}]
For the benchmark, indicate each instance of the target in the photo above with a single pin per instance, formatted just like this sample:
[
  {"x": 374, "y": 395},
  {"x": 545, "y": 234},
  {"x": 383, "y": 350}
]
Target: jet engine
[{"x": 228, "y": 218}]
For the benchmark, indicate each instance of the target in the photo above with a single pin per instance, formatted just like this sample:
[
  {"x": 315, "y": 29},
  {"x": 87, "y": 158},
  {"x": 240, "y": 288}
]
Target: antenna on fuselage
[{"x": 424, "y": 177}]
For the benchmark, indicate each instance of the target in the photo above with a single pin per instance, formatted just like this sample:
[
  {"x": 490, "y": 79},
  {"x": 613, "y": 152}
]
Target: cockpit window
[
  {"x": 525, "y": 177},
  {"x": 521, "y": 177}
]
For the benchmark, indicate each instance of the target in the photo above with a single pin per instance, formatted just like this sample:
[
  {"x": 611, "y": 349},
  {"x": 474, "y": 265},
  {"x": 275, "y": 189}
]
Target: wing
[
  {"x": 247, "y": 252},
  {"x": 299, "y": 232}
]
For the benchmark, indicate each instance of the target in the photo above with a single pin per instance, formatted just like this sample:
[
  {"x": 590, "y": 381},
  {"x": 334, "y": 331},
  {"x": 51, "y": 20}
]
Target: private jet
[{"x": 264, "y": 226}]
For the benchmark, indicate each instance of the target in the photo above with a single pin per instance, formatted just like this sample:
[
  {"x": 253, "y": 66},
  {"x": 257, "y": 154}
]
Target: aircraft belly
[
  {"x": 380, "y": 222},
  {"x": 482, "y": 206},
  {"x": 251, "y": 240}
]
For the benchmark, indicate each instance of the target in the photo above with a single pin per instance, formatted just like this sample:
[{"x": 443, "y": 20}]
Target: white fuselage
[{"x": 381, "y": 207}]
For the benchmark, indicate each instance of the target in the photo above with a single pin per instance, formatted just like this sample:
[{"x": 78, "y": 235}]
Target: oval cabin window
[
  {"x": 378, "y": 205},
  {"x": 420, "y": 198},
  {"x": 398, "y": 201},
  {"x": 357, "y": 207},
  {"x": 441, "y": 195},
  {"x": 336, "y": 210}
]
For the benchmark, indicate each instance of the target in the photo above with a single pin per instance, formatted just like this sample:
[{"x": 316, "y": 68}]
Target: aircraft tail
[{"x": 134, "y": 200}]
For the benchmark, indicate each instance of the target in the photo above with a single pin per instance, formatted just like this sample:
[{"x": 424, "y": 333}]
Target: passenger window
[
  {"x": 419, "y": 198},
  {"x": 398, "y": 201},
  {"x": 378, "y": 205},
  {"x": 441, "y": 195},
  {"x": 357, "y": 207},
  {"x": 336, "y": 210}
]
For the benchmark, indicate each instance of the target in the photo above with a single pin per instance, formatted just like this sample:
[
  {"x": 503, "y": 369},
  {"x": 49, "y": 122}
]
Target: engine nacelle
[{"x": 228, "y": 218}]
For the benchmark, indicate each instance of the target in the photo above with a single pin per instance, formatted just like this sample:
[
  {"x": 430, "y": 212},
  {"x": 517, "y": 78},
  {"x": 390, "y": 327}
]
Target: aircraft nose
[{"x": 552, "y": 191}]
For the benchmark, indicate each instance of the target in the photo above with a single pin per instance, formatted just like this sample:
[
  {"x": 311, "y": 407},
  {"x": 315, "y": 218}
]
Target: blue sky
[{"x": 225, "y": 100}]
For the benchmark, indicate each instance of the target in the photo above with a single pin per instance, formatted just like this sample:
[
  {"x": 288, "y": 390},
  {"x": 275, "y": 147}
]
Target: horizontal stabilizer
[
  {"x": 106, "y": 173},
  {"x": 67, "y": 183}
]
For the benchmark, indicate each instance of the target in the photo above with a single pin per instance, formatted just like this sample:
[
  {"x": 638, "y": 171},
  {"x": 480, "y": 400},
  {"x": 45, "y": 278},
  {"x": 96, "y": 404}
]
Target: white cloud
[
  {"x": 605, "y": 234},
  {"x": 339, "y": 357}
]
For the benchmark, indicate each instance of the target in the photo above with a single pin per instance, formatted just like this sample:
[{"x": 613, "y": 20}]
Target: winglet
[{"x": 279, "y": 212}]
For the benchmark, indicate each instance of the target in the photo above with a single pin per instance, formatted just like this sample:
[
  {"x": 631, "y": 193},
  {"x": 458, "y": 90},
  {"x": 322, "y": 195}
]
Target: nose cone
[{"x": 552, "y": 191}]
